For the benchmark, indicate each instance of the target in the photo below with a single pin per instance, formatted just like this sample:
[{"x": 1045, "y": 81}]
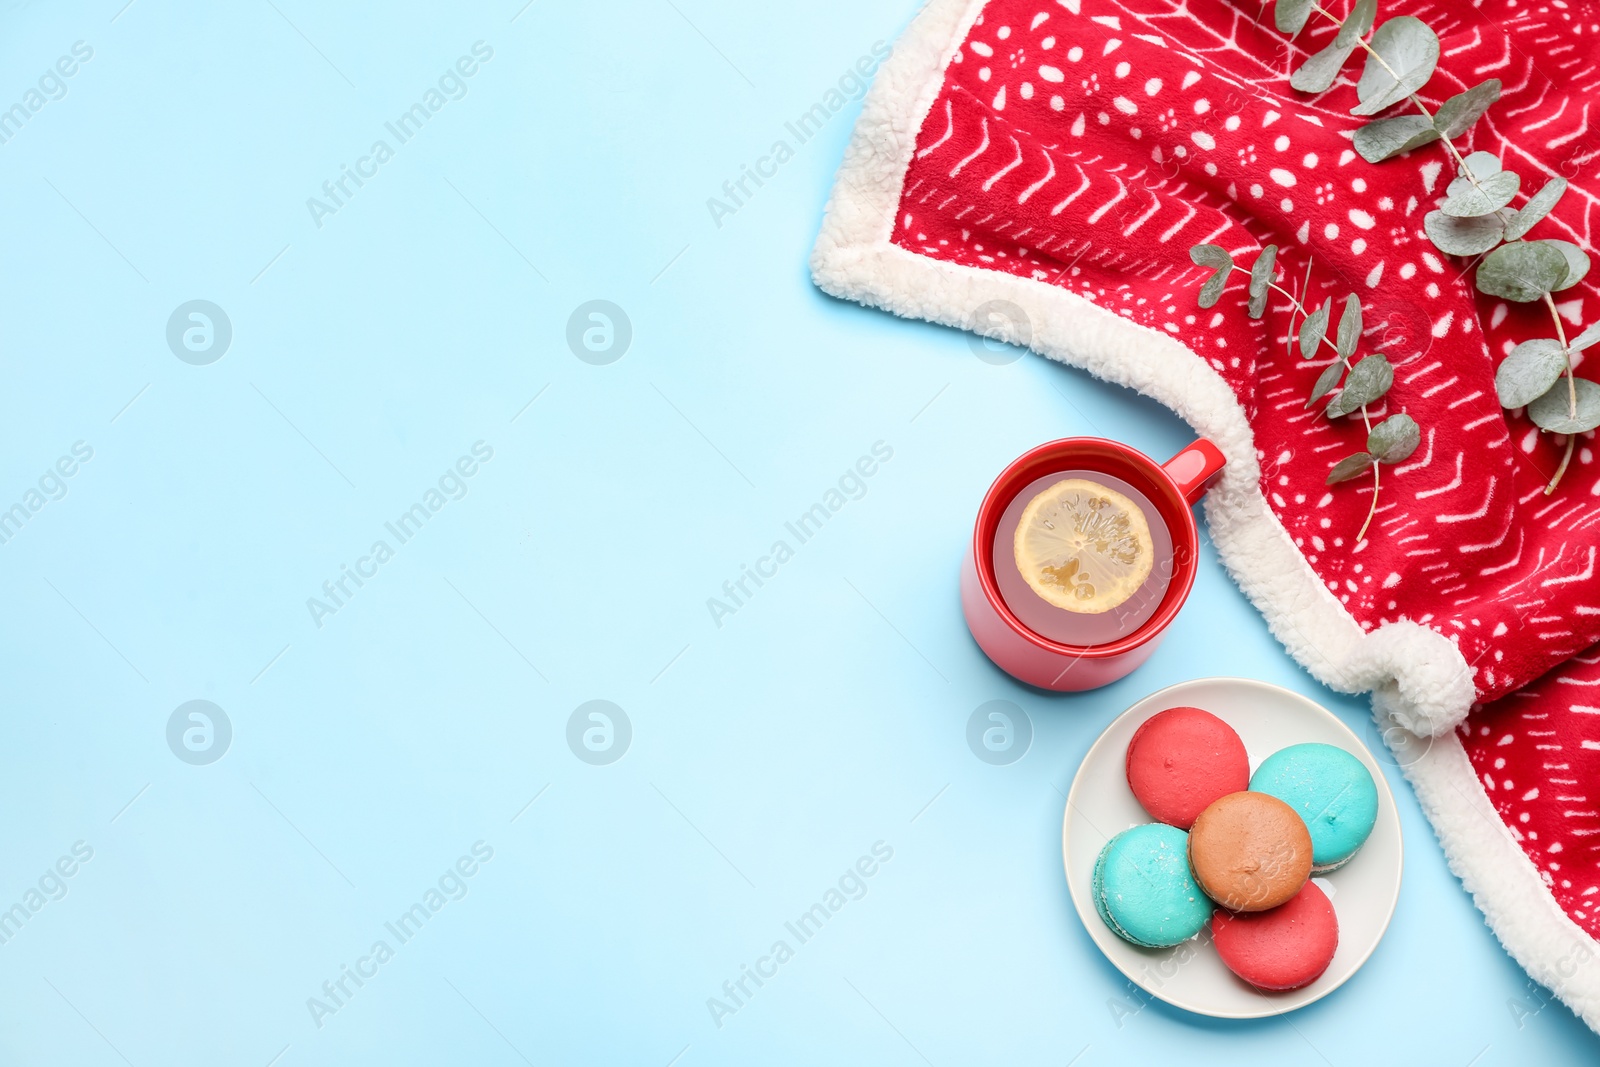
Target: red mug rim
[{"x": 1184, "y": 533}]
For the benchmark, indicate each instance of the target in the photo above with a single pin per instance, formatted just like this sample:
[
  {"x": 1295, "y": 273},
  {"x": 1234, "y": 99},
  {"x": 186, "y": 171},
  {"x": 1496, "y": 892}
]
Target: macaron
[
  {"x": 1143, "y": 889},
  {"x": 1333, "y": 792},
  {"x": 1250, "y": 851},
  {"x": 1285, "y": 948},
  {"x": 1182, "y": 759}
]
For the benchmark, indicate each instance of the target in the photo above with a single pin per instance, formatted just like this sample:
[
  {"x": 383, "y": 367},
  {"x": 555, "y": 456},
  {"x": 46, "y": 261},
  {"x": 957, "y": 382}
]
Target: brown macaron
[{"x": 1250, "y": 851}]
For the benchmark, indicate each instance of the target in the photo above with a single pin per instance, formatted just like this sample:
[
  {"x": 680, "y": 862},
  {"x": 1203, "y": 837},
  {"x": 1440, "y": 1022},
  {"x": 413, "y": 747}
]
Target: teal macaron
[
  {"x": 1143, "y": 889},
  {"x": 1332, "y": 790}
]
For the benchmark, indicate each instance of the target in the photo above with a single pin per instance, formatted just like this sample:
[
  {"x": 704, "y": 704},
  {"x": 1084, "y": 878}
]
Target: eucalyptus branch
[
  {"x": 1413, "y": 98},
  {"x": 1363, "y": 381},
  {"x": 1296, "y": 305},
  {"x": 1366, "y": 420},
  {"x": 1474, "y": 220}
]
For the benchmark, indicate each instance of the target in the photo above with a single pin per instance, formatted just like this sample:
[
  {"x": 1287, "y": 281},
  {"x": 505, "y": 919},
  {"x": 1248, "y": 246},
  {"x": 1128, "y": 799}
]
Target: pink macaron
[
  {"x": 1285, "y": 948},
  {"x": 1181, "y": 760}
]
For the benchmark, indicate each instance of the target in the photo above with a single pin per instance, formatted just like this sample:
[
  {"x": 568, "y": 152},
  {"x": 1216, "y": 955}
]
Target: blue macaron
[
  {"x": 1333, "y": 792},
  {"x": 1143, "y": 889}
]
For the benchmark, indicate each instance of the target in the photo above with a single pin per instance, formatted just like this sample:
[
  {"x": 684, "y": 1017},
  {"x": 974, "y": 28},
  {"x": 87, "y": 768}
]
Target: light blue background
[{"x": 768, "y": 754}]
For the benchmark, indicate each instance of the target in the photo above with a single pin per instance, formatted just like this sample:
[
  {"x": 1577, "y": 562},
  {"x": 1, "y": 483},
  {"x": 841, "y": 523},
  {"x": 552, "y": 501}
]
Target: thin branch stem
[
  {"x": 1561, "y": 335},
  {"x": 1572, "y": 394},
  {"x": 1373, "y": 510},
  {"x": 1305, "y": 290},
  {"x": 1566, "y": 458}
]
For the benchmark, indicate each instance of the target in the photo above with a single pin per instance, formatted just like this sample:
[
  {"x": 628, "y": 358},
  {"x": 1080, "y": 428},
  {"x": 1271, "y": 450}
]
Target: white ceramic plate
[{"x": 1191, "y": 975}]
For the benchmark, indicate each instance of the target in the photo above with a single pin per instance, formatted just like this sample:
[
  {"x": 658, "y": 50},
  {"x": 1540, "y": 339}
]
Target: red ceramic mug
[{"x": 1173, "y": 488}]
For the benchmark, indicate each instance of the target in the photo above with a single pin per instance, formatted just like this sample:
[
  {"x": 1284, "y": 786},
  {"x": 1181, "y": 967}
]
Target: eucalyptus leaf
[
  {"x": 1350, "y": 467},
  {"x": 1537, "y": 207},
  {"x": 1480, "y": 165},
  {"x": 1358, "y": 23},
  {"x": 1257, "y": 305},
  {"x": 1349, "y": 334},
  {"x": 1522, "y": 271},
  {"x": 1260, "y": 278},
  {"x": 1315, "y": 328},
  {"x": 1394, "y": 439},
  {"x": 1587, "y": 338},
  {"x": 1577, "y": 262},
  {"x": 1529, "y": 371},
  {"x": 1214, "y": 256},
  {"x": 1405, "y": 52},
  {"x": 1384, "y": 138},
  {"x": 1326, "y": 381},
  {"x": 1369, "y": 380},
  {"x": 1553, "y": 411},
  {"x": 1321, "y": 70},
  {"x": 1463, "y": 237},
  {"x": 1217, "y": 258},
  {"x": 1457, "y": 114},
  {"x": 1290, "y": 16},
  {"x": 1469, "y": 199}
]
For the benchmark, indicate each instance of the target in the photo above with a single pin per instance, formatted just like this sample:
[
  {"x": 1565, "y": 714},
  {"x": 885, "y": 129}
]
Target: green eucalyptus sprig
[
  {"x": 1475, "y": 218},
  {"x": 1359, "y": 384}
]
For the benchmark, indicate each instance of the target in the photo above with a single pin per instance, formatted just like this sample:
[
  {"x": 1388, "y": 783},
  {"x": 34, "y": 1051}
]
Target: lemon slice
[{"x": 1083, "y": 547}]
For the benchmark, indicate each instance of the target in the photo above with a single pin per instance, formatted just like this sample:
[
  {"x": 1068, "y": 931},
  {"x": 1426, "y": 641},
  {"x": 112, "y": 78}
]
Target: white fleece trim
[
  {"x": 1506, "y": 886},
  {"x": 1426, "y": 683}
]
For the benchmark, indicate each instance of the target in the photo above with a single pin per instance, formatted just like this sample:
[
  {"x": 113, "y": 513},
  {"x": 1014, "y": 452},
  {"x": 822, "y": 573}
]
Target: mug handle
[{"x": 1196, "y": 469}]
